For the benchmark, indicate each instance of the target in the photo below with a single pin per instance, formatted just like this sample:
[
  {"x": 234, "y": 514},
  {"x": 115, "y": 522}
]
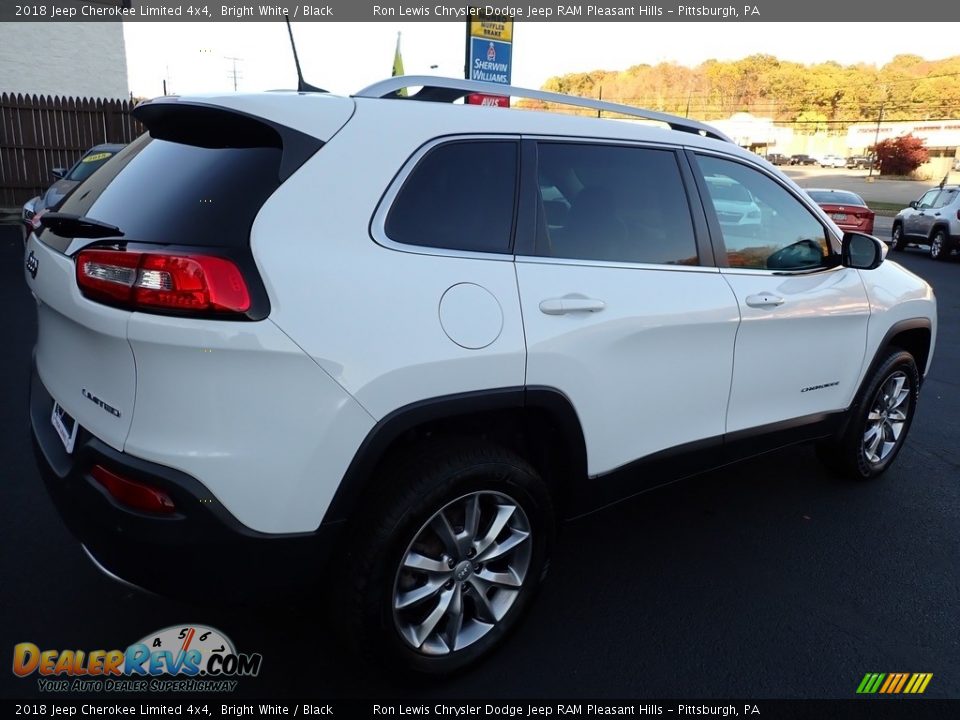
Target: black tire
[
  {"x": 848, "y": 454},
  {"x": 939, "y": 244},
  {"x": 897, "y": 239},
  {"x": 430, "y": 479}
]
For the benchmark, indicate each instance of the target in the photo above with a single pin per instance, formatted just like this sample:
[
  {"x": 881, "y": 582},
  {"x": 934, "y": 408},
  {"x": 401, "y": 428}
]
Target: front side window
[
  {"x": 764, "y": 227},
  {"x": 613, "y": 203},
  {"x": 460, "y": 196}
]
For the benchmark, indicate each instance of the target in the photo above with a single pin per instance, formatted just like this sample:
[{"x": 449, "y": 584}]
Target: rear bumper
[{"x": 199, "y": 551}]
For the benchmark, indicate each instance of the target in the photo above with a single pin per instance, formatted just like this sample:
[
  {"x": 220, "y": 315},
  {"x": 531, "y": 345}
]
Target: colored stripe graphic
[
  {"x": 891, "y": 679},
  {"x": 903, "y": 680},
  {"x": 894, "y": 683},
  {"x": 870, "y": 683},
  {"x": 918, "y": 683}
]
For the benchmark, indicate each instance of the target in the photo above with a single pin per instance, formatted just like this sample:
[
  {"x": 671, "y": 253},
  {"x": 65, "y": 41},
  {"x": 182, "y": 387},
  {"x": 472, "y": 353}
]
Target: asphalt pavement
[{"x": 765, "y": 579}]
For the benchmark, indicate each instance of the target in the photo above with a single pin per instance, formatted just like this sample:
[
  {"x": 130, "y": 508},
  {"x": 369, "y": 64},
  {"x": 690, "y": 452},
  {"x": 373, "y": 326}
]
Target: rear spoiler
[{"x": 211, "y": 126}]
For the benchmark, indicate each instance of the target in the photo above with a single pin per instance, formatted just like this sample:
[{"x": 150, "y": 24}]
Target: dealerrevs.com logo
[{"x": 180, "y": 658}]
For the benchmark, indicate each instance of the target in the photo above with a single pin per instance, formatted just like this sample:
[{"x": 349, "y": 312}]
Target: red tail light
[
  {"x": 192, "y": 283},
  {"x": 133, "y": 494}
]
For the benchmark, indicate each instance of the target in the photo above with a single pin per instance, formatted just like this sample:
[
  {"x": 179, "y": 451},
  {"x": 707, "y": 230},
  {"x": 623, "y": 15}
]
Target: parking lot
[
  {"x": 870, "y": 188},
  {"x": 765, "y": 579}
]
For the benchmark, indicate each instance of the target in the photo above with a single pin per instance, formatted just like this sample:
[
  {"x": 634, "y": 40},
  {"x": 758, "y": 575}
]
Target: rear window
[
  {"x": 88, "y": 163},
  {"x": 835, "y": 197},
  {"x": 174, "y": 192}
]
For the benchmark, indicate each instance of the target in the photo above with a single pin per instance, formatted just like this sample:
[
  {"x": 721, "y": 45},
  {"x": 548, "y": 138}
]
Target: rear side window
[
  {"x": 946, "y": 198},
  {"x": 460, "y": 196},
  {"x": 174, "y": 192},
  {"x": 613, "y": 203}
]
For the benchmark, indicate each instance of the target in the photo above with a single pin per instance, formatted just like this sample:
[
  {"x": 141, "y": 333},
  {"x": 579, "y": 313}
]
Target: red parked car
[{"x": 847, "y": 209}]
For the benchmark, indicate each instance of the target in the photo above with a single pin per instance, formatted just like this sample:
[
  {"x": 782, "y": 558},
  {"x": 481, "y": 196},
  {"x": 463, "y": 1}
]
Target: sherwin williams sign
[{"x": 489, "y": 52}]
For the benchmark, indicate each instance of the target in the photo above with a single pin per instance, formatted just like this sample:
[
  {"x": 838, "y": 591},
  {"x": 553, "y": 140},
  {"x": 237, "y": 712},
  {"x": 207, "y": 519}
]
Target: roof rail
[{"x": 442, "y": 89}]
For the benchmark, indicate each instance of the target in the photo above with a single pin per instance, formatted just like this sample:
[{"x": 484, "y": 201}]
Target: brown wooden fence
[{"x": 38, "y": 134}]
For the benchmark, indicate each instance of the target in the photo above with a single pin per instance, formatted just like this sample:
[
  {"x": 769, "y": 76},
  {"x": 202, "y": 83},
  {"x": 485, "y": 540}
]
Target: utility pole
[
  {"x": 233, "y": 73},
  {"x": 876, "y": 139}
]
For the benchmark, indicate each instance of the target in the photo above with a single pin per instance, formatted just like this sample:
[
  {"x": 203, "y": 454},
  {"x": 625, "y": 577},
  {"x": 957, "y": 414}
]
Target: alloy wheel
[
  {"x": 887, "y": 417},
  {"x": 936, "y": 245},
  {"x": 462, "y": 573}
]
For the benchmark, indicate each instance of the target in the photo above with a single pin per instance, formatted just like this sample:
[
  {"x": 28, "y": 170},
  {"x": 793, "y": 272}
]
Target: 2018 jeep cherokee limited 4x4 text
[{"x": 285, "y": 347}]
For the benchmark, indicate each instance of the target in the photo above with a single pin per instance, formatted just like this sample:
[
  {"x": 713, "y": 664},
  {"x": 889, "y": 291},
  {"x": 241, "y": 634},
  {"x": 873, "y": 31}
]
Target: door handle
[
  {"x": 764, "y": 300},
  {"x": 564, "y": 305}
]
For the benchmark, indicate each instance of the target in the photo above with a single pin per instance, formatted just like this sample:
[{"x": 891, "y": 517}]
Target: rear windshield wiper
[{"x": 69, "y": 225}]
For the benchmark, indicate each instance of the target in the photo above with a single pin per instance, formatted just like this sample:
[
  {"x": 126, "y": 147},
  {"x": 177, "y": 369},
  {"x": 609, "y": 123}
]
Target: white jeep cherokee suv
[{"x": 385, "y": 346}]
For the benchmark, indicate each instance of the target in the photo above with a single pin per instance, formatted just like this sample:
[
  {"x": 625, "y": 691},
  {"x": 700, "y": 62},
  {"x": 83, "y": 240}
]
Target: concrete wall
[{"x": 70, "y": 59}]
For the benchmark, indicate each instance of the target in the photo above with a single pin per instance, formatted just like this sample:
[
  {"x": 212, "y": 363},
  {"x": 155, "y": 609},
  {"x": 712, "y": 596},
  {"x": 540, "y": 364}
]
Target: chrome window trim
[
  {"x": 539, "y": 260},
  {"x": 604, "y": 140},
  {"x": 781, "y": 273}
]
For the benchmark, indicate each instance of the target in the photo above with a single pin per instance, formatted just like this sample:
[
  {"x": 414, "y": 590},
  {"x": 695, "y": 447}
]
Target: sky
[{"x": 345, "y": 57}]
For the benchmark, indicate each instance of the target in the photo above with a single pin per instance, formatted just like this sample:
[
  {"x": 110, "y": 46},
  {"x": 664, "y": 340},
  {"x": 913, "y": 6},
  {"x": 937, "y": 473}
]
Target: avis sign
[{"x": 489, "y": 53}]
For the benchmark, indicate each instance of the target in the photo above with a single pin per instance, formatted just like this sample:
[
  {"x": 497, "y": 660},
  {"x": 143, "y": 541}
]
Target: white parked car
[
  {"x": 834, "y": 161},
  {"x": 733, "y": 203},
  {"x": 279, "y": 346}
]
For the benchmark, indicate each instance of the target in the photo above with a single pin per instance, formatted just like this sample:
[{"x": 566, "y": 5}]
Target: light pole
[{"x": 876, "y": 140}]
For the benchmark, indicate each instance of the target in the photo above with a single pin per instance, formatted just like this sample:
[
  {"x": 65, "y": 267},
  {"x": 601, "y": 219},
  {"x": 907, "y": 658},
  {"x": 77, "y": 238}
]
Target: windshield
[
  {"x": 88, "y": 164},
  {"x": 835, "y": 197}
]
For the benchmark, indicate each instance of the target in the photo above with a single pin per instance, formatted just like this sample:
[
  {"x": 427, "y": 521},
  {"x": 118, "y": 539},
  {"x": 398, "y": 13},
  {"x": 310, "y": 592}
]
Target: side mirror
[
  {"x": 861, "y": 251},
  {"x": 914, "y": 203},
  {"x": 58, "y": 173}
]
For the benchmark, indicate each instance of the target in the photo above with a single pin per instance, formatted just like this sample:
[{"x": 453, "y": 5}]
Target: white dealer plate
[{"x": 65, "y": 426}]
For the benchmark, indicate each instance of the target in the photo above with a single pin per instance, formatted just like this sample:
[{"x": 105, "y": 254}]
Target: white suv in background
[{"x": 383, "y": 346}]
